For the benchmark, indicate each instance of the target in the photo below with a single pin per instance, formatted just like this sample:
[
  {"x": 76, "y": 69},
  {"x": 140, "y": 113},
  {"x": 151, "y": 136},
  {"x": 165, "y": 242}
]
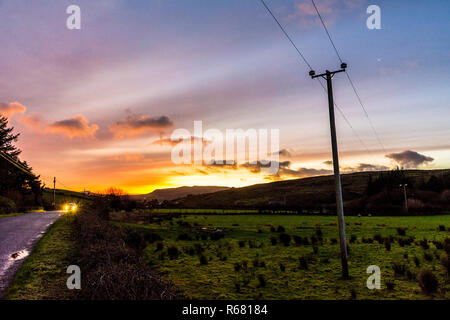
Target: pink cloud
[
  {"x": 12, "y": 108},
  {"x": 137, "y": 125},
  {"x": 76, "y": 127}
]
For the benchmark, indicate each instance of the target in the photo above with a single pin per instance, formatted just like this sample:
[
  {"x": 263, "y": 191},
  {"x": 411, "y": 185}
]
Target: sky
[{"x": 96, "y": 107}]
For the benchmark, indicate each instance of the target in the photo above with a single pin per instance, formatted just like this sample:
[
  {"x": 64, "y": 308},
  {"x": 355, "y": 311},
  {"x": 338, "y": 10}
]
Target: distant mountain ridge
[
  {"x": 176, "y": 193},
  {"x": 313, "y": 191}
]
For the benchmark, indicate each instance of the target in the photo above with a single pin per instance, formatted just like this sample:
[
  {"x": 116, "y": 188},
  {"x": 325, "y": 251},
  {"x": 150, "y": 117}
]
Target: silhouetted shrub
[
  {"x": 445, "y": 262},
  {"x": 390, "y": 285},
  {"x": 428, "y": 281},
  {"x": 173, "y": 252},
  {"x": 159, "y": 246},
  {"x": 285, "y": 239},
  {"x": 297, "y": 239},
  {"x": 184, "y": 237},
  {"x": 217, "y": 236},
  {"x": 387, "y": 244},
  {"x": 262, "y": 281},
  {"x": 273, "y": 240},
  {"x": 319, "y": 233},
  {"x": 439, "y": 245},
  {"x": 424, "y": 244},
  {"x": 427, "y": 256},
  {"x": 198, "y": 248},
  {"x": 203, "y": 259},
  {"x": 303, "y": 263},
  {"x": 353, "y": 294},
  {"x": 399, "y": 269},
  {"x": 377, "y": 237}
]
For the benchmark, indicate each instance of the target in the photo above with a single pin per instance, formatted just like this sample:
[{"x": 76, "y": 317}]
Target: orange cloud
[
  {"x": 174, "y": 142},
  {"x": 10, "y": 109},
  {"x": 76, "y": 127},
  {"x": 137, "y": 125}
]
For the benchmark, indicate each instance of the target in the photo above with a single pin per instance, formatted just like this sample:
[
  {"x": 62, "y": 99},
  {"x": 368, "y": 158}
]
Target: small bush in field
[
  {"x": 387, "y": 244},
  {"x": 445, "y": 262},
  {"x": 184, "y": 237},
  {"x": 377, "y": 237},
  {"x": 203, "y": 259},
  {"x": 424, "y": 244},
  {"x": 390, "y": 285},
  {"x": 303, "y": 263},
  {"x": 428, "y": 281},
  {"x": 285, "y": 239},
  {"x": 281, "y": 229},
  {"x": 416, "y": 261},
  {"x": 401, "y": 231},
  {"x": 216, "y": 236},
  {"x": 273, "y": 240},
  {"x": 159, "y": 246},
  {"x": 399, "y": 269},
  {"x": 173, "y": 252},
  {"x": 438, "y": 244},
  {"x": 319, "y": 233},
  {"x": 297, "y": 239},
  {"x": 428, "y": 256},
  {"x": 262, "y": 280}
]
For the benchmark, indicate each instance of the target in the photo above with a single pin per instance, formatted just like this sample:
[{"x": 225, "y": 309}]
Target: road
[{"x": 18, "y": 235}]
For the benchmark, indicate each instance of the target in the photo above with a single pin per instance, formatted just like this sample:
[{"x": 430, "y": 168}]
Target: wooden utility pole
[
  {"x": 54, "y": 191},
  {"x": 405, "y": 195},
  {"x": 328, "y": 75}
]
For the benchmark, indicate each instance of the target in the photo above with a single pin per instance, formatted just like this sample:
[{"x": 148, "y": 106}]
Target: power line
[
  {"x": 309, "y": 66},
  {"x": 349, "y": 78},
  {"x": 14, "y": 163},
  {"x": 326, "y": 30},
  {"x": 286, "y": 34}
]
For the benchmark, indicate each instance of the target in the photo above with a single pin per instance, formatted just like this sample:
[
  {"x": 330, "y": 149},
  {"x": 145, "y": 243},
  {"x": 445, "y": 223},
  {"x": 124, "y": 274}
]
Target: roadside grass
[
  {"x": 246, "y": 265},
  {"x": 43, "y": 274}
]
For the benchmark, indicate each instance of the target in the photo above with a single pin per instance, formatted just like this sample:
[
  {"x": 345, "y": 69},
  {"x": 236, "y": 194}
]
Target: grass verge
[{"x": 43, "y": 274}]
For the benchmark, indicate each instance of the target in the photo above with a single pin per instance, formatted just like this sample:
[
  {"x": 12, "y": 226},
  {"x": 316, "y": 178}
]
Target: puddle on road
[{"x": 19, "y": 255}]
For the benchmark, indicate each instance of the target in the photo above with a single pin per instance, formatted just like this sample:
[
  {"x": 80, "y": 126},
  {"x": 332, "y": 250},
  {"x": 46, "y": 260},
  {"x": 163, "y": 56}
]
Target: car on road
[{"x": 70, "y": 207}]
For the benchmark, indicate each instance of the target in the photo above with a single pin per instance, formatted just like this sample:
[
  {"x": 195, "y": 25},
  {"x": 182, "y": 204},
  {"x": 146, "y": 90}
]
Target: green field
[{"x": 274, "y": 271}]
